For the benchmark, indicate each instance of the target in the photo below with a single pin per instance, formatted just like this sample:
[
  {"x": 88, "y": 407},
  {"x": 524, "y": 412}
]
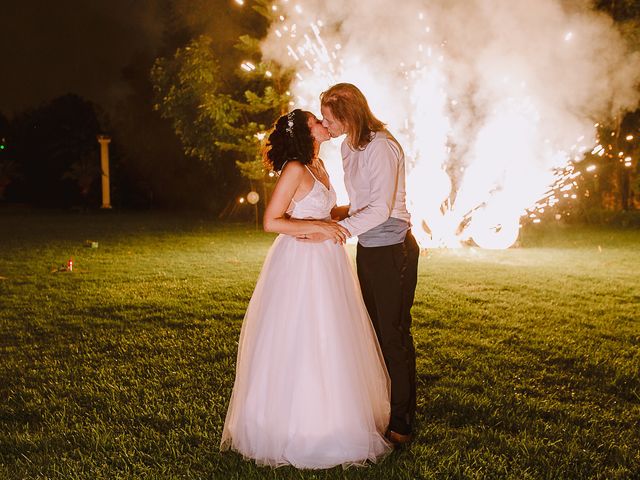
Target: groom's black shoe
[{"x": 398, "y": 439}]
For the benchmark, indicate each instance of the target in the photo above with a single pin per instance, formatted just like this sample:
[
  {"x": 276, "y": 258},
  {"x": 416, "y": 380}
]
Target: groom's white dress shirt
[{"x": 375, "y": 181}]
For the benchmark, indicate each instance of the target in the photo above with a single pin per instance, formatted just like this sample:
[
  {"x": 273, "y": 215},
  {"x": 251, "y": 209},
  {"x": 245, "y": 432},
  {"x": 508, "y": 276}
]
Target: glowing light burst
[{"x": 461, "y": 186}]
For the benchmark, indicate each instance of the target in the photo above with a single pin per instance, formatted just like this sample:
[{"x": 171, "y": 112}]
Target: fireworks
[{"x": 487, "y": 121}]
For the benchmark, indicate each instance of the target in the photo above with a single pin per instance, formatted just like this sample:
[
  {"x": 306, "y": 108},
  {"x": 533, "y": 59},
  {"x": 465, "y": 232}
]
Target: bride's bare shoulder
[{"x": 292, "y": 168}]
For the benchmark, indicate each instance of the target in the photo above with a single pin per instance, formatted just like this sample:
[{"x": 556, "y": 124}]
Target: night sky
[{"x": 50, "y": 48}]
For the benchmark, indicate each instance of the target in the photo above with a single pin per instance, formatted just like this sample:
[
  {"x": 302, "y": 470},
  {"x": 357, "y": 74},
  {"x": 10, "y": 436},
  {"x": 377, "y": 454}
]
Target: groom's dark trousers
[{"x": 388, "y": 277}]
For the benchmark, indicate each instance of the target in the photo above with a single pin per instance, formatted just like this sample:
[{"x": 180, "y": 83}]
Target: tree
[
  {"x": 9, "y": 170},
  {"x": 154, "y": 170},
  {"x": 621, "y": 10},
  {"x": 84, "y": 172},
  {"x": 610, "y": 177},
  {"x": 220, "y": 117},
  {"x": 46, "y": 141}
]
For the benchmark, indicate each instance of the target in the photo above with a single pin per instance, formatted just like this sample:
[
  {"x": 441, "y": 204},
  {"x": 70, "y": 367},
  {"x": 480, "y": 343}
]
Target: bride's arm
[{"x": 275, "y": 219}]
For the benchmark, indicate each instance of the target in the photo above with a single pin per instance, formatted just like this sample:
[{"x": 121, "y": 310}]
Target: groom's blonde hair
[{"x": 350, "y": 107}]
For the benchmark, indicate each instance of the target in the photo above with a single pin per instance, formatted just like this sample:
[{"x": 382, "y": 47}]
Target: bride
[{"x": 311, "y": 388}]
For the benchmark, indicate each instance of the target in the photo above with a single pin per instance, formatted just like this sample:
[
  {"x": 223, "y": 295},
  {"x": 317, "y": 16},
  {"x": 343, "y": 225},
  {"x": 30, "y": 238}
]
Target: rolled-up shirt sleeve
[{"x": 381, "y": 168}]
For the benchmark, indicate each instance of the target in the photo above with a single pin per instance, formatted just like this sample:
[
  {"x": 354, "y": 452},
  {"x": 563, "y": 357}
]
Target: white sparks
[{"x": 484, "y": 144}]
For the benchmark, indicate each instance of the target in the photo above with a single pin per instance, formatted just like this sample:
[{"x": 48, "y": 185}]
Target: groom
[{"x": 387, "y": 253}]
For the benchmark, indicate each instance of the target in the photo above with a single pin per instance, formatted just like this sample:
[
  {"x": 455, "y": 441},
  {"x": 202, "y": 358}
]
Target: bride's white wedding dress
[{"x": 311, "y": 388}]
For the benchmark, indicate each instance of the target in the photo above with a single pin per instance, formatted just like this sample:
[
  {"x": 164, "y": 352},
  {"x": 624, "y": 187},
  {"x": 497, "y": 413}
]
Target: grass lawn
[{"x": 528, "y": 359}]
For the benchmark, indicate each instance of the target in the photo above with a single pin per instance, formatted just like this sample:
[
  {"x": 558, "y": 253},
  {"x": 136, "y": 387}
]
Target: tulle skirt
[{"x": 311, "y": 388}]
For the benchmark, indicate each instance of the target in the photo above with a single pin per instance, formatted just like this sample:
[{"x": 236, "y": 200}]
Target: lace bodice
[{"x": 317, "y": 203}]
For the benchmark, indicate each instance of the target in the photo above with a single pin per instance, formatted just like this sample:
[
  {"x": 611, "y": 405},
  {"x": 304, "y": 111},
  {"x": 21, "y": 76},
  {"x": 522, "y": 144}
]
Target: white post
[{"x": 104, "y": 161}]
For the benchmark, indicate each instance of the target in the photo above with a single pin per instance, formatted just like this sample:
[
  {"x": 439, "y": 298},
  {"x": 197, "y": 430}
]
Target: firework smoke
[{"x": 486, "y": 96}]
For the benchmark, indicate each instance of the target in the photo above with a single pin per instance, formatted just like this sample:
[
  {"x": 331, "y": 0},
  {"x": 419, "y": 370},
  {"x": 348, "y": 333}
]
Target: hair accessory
[{"x": 289, "y": 128}]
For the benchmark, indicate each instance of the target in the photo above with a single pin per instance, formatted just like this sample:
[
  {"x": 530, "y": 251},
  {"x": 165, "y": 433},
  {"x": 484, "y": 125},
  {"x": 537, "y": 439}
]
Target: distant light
[
  {"x": 537, "y": 220},
  {"x": 274, "y": 7},
  {"x": 241, "y": 200},
  {"x": 568, "y": 36},
  {"x": 253, "y": 197},
  {"x": 240, "y": 2},
  {"x": 597, "y": 149},
  {"x": 248, "y": 66},
  {"x": 629, "y": 137},
  {"x": 1, "y": 147},
  {"x": 591, "y": 168},
  {"x": 268, "y": 74},
  {"x": 298, "y": 9}
]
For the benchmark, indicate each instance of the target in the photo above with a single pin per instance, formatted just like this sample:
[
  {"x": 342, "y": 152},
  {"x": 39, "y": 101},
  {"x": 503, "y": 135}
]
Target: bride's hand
[
  {"x": 326, "y": 230},
  {"x": 312, "y": 238}
]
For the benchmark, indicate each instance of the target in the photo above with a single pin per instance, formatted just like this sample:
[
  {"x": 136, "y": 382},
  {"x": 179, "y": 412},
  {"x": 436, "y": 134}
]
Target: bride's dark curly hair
[{"x": 289, "y": 143}]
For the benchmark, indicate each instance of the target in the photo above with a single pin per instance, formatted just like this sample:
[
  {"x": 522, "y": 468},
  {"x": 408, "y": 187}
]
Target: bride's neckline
[{"x": 317, "y": 180}]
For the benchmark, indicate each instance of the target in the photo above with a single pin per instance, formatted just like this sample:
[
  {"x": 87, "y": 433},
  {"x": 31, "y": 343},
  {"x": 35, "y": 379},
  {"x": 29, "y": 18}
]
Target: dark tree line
[
  {"x": 184, "y": 134},
  {"x": 49, "y": 154}
]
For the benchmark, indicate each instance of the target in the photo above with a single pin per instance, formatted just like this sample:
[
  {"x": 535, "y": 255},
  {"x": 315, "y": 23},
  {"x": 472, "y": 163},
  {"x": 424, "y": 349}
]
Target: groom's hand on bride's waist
[{"x": 340, "y": 213}]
